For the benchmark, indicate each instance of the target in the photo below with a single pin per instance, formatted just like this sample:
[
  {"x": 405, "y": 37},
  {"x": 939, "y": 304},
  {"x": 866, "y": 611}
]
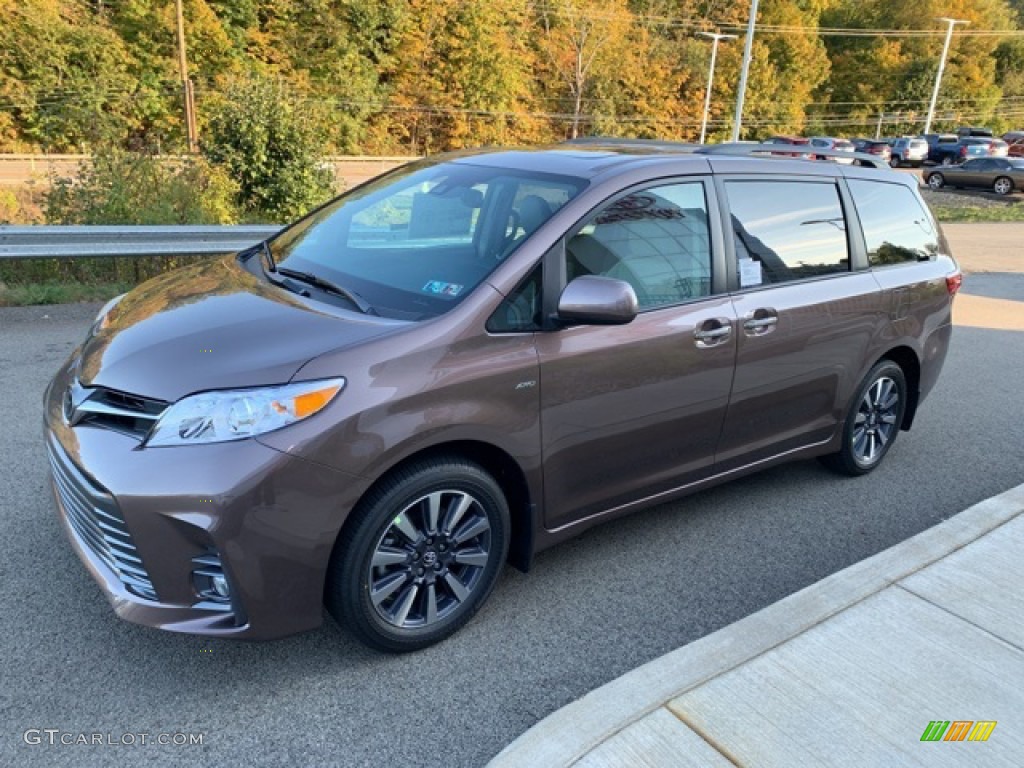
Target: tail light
[
  {"x": 953, "y": 283},
  {"x": 963, "y": 151}
]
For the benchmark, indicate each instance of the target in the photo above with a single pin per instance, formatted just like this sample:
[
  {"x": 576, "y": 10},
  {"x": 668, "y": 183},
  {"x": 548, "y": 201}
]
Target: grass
[
  {"x": 30, "y": 294},
  {"x": 950, "y": 213}
]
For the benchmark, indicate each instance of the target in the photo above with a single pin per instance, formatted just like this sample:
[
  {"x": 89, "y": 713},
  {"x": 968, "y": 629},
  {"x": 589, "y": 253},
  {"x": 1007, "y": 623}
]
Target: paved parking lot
[{"x": 591, "y": 610}]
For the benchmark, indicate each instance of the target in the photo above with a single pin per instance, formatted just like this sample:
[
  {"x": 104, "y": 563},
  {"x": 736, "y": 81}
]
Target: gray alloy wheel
[
  {"x": 419, "y": 555},
  {"x": 1002, "y": 186},
  {"x": 429, "y": 559},
  {"x": 936, "y": 181},
  {"x": 873, "y": 420},
  {"x": 947, "y": 159},
  {"x": 894, "y": 161}
]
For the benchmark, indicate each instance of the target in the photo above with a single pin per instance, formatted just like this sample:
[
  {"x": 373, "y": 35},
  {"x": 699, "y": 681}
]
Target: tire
[
  {"x": 947, "y": 160},
  {"x": 873, "y": 421},
  {"x": 1002, "y": 185},
  {"x": 894, "y": 162},
  {"x": 936, "y": 180},
  {"x": 420, "y": 555}
]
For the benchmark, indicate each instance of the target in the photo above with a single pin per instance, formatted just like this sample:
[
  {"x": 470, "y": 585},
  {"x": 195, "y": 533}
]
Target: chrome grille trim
[
  {"x": 94, "y": 516},
  {"x": 128, "y": 414}
]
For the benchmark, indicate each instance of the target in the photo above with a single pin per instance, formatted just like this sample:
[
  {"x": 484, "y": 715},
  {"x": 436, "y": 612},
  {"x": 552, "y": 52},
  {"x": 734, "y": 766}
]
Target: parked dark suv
[{"x": 474, "y": 358}]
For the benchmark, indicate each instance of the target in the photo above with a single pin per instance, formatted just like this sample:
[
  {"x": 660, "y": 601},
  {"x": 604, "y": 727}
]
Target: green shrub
[
  {"x": 272, "y": 147},
  {"x": 119, "y": 187}
]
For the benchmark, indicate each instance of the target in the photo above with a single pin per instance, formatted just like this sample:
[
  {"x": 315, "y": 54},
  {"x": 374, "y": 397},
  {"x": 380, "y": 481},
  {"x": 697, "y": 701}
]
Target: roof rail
[
  {"x": 787, "y": 152},
  {"x": 616, "y": 141}
]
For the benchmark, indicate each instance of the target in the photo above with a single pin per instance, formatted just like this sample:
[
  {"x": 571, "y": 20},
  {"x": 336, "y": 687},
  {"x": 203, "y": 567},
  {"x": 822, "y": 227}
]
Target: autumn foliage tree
[{"x": 416, "y": 76}]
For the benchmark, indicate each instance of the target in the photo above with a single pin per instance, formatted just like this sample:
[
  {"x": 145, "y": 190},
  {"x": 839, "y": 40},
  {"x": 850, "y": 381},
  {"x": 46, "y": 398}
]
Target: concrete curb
[{"x": 569, "y": 734}]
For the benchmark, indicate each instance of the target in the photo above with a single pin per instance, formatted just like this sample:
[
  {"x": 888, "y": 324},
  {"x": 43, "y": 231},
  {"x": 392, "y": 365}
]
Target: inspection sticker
[
  {"x": 750, "y": 273},
  {"x": 442, "y": 289}
]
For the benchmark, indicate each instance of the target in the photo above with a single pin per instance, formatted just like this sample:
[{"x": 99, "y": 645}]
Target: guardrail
[{"x": 76, "y": 242}]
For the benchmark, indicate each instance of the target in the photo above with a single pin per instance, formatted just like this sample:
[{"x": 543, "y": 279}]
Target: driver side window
[{"x": 655, "y": 239}]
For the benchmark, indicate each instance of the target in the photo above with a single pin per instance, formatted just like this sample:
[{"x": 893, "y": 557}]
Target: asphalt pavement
[{"x": 592, "y": 609}]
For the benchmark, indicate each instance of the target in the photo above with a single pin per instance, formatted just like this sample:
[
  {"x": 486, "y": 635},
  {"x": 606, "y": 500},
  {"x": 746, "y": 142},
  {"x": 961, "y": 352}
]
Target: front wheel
[
  {"x": 872, "y": 421},
  {"x": 420, "y": 555},
  {"x": 936, "y": 181},
  {"x": 1002, "y": 186}
]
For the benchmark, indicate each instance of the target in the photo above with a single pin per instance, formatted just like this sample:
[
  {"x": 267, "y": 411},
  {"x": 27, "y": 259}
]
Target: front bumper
[{"x": 140, "y": 518}]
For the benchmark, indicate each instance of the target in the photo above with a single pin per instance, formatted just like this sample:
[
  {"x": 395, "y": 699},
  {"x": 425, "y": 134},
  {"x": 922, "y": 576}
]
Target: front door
[{"x": 631, "y": 411}]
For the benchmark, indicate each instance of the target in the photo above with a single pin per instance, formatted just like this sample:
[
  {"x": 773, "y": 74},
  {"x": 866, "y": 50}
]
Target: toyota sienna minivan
[{"x": 475, "y": 357}]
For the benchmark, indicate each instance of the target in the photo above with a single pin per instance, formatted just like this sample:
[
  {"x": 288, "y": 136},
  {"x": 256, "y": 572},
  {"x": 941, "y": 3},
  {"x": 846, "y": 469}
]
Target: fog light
[
  {"x": 210, "y": 582},
  {"x": 220, "y": 586}
]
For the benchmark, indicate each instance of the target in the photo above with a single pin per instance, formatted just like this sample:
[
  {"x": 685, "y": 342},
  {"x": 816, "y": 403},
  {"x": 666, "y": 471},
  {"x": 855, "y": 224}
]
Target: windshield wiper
[
  {"x": 268, "y": 257},
  {"x": 326, "y": 285}
]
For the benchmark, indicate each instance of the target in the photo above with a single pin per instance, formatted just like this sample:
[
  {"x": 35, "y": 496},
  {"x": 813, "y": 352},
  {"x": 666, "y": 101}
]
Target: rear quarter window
[{"x": 896, "y": 227}]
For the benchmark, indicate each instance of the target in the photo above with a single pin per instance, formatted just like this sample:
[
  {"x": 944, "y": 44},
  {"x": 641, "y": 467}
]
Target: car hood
[{"x": 214, "y": 325}]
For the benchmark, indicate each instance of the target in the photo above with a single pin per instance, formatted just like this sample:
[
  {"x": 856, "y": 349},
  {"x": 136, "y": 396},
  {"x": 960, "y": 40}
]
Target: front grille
[
  {"x": 94, "y": 516},
  {"x": 107, "y": 408}
]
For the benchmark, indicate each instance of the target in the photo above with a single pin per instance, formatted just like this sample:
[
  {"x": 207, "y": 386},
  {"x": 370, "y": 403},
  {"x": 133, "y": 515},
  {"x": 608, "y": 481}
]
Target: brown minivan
[{"x": 475, "y": 357}]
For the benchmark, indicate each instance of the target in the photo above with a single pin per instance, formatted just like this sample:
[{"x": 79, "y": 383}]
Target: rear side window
[
  {"x": 787, "y": 230},
  {"x": 896, "y": 228}
]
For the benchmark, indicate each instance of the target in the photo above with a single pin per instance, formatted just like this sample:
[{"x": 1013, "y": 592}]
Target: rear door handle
[
  {"x": 760, "y": 322},
  {"x": 712, "y": 332}
]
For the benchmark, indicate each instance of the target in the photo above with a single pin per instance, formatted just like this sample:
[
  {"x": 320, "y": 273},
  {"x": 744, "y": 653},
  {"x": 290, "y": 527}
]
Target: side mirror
[{"x": 593, "y": 300}]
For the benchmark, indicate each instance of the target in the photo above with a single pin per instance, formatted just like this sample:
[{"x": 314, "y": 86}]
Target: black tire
[
  {"x": 947, "y": 160},
  {"x": 1002, "y": 185},
  {"x": 936, "y": 180},
  {"x": 873, "y": 421},
  {"x": 894, "y": 161},
  {"x": 431, "y": 564}
]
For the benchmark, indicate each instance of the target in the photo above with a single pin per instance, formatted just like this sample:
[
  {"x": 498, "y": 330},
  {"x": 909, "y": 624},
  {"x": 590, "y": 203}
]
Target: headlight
[{"x": 216, "y": 417}]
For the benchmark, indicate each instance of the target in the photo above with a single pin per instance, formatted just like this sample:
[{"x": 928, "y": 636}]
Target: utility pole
[
  {"x": 878, "y": 128},
  {"x": 715, "y": 37},
  {"x": 747, "y": 52},
  {"x": 942, "y": 66},
  {"x": 191, "y": 134}
]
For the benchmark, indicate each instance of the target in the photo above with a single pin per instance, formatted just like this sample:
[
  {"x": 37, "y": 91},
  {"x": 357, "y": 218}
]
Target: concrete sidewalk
[{"x": 847, "y": 672}]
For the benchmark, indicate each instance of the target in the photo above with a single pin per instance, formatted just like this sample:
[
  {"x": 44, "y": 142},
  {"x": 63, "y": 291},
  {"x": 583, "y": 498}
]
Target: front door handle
[
  {"x": 760, "y": 322},
  {"x": 712, "y": 332}
]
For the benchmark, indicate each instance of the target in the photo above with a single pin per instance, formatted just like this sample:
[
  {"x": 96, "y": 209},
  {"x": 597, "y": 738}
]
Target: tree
[
  {"x": 64, "y": 78},
  {"x": 463, "y": 75},
  {"x": 272, "y": 146},
  {"x": 580, "y": 42}
]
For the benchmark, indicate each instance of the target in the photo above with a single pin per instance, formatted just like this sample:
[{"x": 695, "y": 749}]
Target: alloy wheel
[
  {"x": 1003, "y": 186},
  {"x": 429, "y": 559},
  {"x": 876, "y": 420}
]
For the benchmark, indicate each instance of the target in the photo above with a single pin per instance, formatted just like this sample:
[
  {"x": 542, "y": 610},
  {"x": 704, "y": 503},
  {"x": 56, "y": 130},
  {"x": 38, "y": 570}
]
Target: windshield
[{"x": 416, "y": 242}]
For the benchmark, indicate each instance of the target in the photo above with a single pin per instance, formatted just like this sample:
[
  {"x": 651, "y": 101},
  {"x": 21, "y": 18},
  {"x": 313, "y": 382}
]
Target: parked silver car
[
  {"x": 908, "y": 151},
  {"x": 840, "y": 145}
]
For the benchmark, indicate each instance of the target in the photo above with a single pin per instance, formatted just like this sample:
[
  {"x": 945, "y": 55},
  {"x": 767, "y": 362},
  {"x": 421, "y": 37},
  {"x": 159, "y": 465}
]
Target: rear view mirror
[{"x": 593, "y": 300}]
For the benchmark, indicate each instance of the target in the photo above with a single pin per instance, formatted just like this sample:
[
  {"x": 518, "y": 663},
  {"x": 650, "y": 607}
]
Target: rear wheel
[
  {"x": 1002, "y": 186},
  {"x": 872, "y": 420},
  {"x": 947, "y": 160},
  {"x": 894, "y": 161},
  {"x": 420, "y": 555},
  {"x": 936, "y": 180}
]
